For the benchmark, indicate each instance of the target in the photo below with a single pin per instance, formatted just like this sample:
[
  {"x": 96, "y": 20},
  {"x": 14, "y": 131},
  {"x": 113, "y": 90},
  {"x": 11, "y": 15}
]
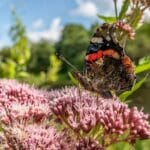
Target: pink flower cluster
[
  {"x": 33, "y": 137},
  {"x": 84, "y": 111},
  {"x": 88, "y": 144},
  {"x": 126, "y": 28},
  {"x": 20, "y": 102},
  {"x": 29, "y": 119}
]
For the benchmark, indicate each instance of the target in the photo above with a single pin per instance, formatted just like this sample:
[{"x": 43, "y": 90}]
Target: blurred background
[{"x": 33, "y": 31}]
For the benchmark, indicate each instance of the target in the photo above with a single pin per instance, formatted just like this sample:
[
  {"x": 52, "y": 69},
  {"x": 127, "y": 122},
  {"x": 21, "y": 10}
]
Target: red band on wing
[{"x": 95, "y": 56}]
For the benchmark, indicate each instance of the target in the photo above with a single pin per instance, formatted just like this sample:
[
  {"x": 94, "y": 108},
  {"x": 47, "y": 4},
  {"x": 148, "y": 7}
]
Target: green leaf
[
  {"x": 120, "y": 145},
  {"x": 107, "y": 19},
  {"x": 142, "y": 68},
  {"x": 142, "y": 144},
  {"x": 124, "y": 9},
  {"x": 144, "y": 60},
  {"x": 144, "y": 65},
  {"x": 126, "y": 94},
  {"x": 72, "y": 78}
]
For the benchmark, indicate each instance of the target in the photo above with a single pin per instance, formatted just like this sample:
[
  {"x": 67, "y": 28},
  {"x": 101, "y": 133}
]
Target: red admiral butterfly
[{"x": 107, "y": 68}]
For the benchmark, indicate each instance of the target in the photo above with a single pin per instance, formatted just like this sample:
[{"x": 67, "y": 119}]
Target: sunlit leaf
[
  {"x": 55, "y": 65},
  {"x": 142, "y": 68},
  {"x": 107, "y": 19},
  {"x": 124, "y": 9},
  {"x": 126, "y": 94},
  {"x": 144, "y": 60},
  {"x": 144, "y": 65}
]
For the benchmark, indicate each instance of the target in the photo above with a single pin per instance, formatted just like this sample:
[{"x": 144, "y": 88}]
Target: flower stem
[{"x": 116, "y": 11}]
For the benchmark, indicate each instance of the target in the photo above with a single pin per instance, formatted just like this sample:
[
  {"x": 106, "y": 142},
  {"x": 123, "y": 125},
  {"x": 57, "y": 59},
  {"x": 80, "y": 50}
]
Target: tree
[
  {"x": 140, "y": 46},
  {"x": 40, "y": 53},
  {"x": 73, "y": 44},
  {"x": 14, "y": 61}
]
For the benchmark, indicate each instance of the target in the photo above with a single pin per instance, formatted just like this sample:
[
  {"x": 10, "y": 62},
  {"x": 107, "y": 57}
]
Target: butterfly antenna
[
  {"x": 61, "y": 57},
  {"x": 116, "y": 11}
]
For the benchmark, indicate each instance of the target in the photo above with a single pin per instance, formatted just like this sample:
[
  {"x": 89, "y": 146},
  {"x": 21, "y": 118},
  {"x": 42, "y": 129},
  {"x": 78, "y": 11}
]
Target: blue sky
[{"x": 46, "y": 18}]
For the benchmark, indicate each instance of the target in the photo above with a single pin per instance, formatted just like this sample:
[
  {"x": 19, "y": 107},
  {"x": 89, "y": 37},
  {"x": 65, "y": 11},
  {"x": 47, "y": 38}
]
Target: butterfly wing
[{"x": 107, "y": 67}]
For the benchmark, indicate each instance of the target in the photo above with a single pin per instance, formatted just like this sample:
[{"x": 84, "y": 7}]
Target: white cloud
[
  {"x": 90, "y": 8},
  {"x": 52, "y": 34},
  {"x": 38, "y": 24},
  {"x": 85, "y": 8}
]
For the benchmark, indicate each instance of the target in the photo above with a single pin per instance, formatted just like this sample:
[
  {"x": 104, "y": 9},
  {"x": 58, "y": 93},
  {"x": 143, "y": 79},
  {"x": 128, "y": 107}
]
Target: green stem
[
  {"x": 116, "y": 11},
  {"x": 125, "y": 41}
]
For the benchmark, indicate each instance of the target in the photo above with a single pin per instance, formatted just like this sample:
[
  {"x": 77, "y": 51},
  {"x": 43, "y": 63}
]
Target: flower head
[
  {"x": 33, "y": 137},
  {"x": 84, "y": 111},
  {"x": 22, "y": 102},
  {"x": 88, "y": 144},
  {"x": 126, "y": 28}
]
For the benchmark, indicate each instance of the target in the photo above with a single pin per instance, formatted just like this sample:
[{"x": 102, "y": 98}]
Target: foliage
[
  {"x": 108, "y": 19},
  {"x": 55, "y": 64},
  {"x": 72, "y": 45},
  {"x": 144, "y": 65},
  {"x": 124, "y": 9},
  {"x": 17, "y": 30},
  {"x": 140, "y": 46},
  {"x": 126, "y": 94},
  {"x": 22, "y": 62},
  {"x": 15, "y": 62},
  {"x": 40, "y": 53},
  {"x": 140, "y": 145}
]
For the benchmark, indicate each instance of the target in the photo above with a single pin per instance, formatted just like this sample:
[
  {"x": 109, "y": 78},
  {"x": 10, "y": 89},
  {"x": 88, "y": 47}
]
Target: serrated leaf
[
  {"x": 107, "y": 19},
  {"x": 124, "y": 9},
  {"x": 72, "y": 78},
  {"x": 126, "y": 94}
]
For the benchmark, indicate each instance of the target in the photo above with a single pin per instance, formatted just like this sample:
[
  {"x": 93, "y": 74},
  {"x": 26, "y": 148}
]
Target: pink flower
[
  {"x": 126, "y": 28},
  {"x": 33, "y": 137},
  {"x": 83, "y": 111},
  {"x": 20, "y": 102},
  {"x": 88, "y": 144},
  {"x": 81, "y": 117}
]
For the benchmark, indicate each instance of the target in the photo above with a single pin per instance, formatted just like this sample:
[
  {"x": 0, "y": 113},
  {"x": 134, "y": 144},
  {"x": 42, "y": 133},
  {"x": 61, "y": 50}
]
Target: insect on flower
[{"x": 107, "y": 68}]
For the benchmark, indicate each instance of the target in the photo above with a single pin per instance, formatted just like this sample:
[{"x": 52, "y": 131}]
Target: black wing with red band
[{"x": 107, "y": 68}]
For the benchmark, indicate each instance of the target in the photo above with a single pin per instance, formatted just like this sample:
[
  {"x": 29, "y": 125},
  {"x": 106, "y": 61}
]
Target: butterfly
[{"x": 108, "y": 70}]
